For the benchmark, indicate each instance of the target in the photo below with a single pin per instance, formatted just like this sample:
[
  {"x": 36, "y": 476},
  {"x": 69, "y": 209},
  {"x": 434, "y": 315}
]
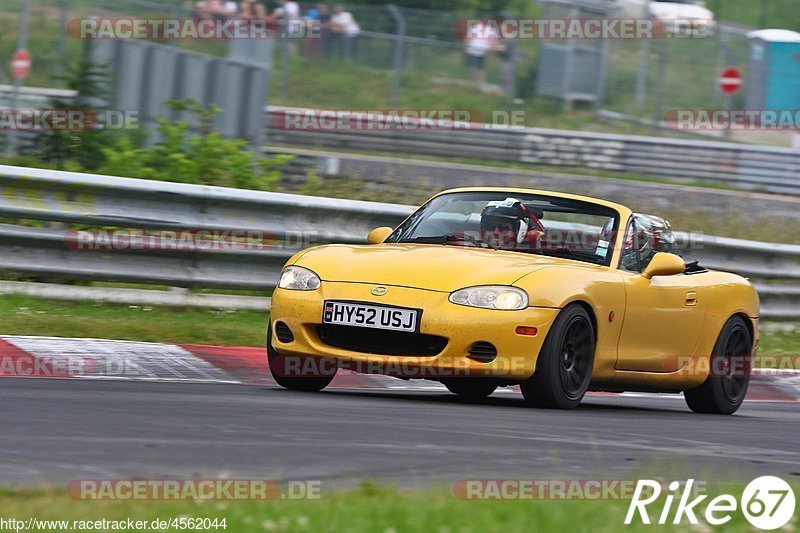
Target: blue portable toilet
[{"x": 773, "y": 74}]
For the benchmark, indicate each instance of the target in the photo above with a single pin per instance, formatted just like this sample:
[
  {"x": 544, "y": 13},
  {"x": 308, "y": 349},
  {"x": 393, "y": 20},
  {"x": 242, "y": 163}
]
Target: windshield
[{"x": 525, "y": 223}]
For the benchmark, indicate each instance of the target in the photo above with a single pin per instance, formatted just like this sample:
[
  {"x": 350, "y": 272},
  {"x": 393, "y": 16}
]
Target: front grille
[
  {"x": 379, "y": 341},
  {"x": 283, "y": 332},
  {"x": 483, "y": 352}
]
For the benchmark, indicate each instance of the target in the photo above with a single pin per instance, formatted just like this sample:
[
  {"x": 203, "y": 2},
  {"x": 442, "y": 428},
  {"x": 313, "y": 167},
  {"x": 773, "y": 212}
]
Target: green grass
[
  {"x": 762, "y": 13},
  {"x": 441, "y": 83},
  {"x": 23, "y": 315},
  {"x": 780, "y": 341},
  {"x": 369, "y": 508}
]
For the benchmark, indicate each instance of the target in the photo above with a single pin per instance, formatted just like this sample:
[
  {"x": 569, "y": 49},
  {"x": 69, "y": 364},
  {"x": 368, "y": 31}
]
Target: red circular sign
[
  {"x": 20, "y": 64},
  {"x": 730, "y": 81}
]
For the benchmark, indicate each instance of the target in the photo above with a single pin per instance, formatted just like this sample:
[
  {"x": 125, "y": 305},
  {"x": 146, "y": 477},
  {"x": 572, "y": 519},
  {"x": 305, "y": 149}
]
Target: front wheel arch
[
  {"x": 592, "y": 316},
  {"x": 565, "y": 362}
]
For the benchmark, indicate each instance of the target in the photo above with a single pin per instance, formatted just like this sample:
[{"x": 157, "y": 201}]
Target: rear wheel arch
[
  {"x": 747, "y": 322},
  {"x": 725, "y": 388}
]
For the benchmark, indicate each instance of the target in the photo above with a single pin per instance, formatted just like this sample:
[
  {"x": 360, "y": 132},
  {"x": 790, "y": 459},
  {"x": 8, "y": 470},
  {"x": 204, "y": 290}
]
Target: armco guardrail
[
  {"x": 102, "y": 201},
  {"x": 294, "y": 220},
  {"x": 764, "y": 168}
]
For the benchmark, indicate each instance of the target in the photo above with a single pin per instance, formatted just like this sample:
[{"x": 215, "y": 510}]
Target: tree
[{"x": 82, "y": 147}]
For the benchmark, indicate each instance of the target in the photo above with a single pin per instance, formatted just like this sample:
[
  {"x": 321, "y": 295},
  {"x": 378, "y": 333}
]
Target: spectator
[
  {"x": 325, "y": 29},
  {"x": 347, "y": 29},
  {"x": 478, "y": 41},
  {"x": 312, "y": 14},
  {"x": 289, "y": 15},
  {"x": 251, "y": 9},
  {"x": 208, "y": 8},
  {"x": 506, "y": 53},
  {"x": 229, "y": 9},
  {"x": 311, "y": 18}
]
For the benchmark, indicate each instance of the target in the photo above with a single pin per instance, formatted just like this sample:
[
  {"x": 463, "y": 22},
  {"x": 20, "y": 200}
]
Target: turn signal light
[{"x": 527, "y": 330}]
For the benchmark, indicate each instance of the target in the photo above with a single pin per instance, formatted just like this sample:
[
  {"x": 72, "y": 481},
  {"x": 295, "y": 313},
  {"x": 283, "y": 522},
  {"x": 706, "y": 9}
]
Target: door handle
[{"x": 691, "y": 299}]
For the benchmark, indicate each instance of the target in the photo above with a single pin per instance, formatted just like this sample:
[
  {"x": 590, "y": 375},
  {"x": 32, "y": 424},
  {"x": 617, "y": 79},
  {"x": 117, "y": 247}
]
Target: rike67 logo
[{"x": 767, "y": 502}]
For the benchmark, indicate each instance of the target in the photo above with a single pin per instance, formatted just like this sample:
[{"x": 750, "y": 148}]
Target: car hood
[
  {"x": 687, "y": 11},
  {"x": 424, "y": 266}
]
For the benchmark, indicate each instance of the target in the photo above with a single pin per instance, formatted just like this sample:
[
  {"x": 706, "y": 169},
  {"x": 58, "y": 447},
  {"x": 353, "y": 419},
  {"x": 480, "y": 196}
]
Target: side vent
[
  {"x": 483, "y": 352},
  {"x": 283, "y": 332}
]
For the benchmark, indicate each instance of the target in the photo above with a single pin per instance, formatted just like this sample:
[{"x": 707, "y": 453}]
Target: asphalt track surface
[{"x": 55, "y": 430}]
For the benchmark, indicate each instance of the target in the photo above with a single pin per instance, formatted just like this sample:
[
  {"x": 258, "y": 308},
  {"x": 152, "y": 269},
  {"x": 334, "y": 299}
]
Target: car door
[{"x": 664, "y": 315}]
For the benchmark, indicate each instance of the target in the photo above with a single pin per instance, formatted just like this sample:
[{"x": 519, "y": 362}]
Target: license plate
[{"x": 371, "y": 316}]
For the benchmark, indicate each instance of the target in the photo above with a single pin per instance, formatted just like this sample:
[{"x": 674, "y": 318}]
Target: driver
[{"x": 509, "y": 225}]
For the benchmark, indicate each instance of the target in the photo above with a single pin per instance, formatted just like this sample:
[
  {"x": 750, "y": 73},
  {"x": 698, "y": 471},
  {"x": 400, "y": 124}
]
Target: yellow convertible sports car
[{"x": 487, "y": 287}]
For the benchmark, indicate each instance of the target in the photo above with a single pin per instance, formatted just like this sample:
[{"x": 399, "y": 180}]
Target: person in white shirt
[
  {"x": 345, "y": 26},
  {"x": 208, "y": 9},
  {"x": 229, "y": 9},
  {"x": 289, "y": 13},
  {"x": 479, "y": 40}
]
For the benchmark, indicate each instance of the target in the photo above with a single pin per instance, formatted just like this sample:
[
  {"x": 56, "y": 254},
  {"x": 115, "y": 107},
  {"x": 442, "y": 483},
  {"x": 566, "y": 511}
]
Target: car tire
[
  {"x": 473, "y": 389},
  {"x": 314, "y": 374},
  {"x": 723, "y": 393},
  {"x": 564, "y": 367}
]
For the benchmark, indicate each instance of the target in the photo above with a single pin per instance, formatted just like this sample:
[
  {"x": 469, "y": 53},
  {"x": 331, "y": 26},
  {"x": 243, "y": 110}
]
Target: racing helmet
[
  {"x": 652, "y": 235},
  {"x": 510, "y": 213}
]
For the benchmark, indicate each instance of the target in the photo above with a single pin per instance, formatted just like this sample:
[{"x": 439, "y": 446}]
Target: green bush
[{"x": 205, "y": 158}]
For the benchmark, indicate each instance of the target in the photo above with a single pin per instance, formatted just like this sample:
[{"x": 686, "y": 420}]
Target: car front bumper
[{"x": 461, "y": 326}]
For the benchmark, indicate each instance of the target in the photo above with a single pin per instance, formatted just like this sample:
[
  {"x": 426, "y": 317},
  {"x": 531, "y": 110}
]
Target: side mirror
[
  {"x": 664, "y": 264},
  {"x": 378, "y": 235}
]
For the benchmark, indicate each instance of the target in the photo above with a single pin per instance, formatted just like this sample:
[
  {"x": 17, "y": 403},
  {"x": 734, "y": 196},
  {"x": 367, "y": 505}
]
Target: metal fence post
[
  {"x": 601, "y": 76},
  {"x": 62, "y": 38},
  {"x": 574, "y": 13},
  {"x": 175, "y": 11},
  {"x": 399, "y": 41},
  {"x": 658, "y": 108},
  {"x": 512, "y": 56},
  {"x": 764, "y": 15},
  {"x": 641, "y": 76},
  {"x": 284, "y": 68},
  {"x": 721, "y": 57},
  {"x": 21, "y": 42}
]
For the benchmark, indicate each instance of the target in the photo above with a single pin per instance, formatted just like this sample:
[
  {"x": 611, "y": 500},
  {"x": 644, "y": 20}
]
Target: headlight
[
  {"x": 491, "y": 297},
  {"x": 298, "y": 279}
]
